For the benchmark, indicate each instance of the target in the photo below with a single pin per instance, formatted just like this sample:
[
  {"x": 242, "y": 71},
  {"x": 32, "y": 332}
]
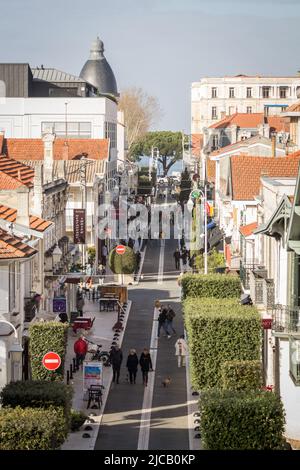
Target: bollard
[
  {"x": 68, "y": 377},
  {"x": 71, "y": 372}
]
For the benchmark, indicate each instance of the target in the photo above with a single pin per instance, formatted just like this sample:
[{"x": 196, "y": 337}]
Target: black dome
[{"x": 98, "y": 72}]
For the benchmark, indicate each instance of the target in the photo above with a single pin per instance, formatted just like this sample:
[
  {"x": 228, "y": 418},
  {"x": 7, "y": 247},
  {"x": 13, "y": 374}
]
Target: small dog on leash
[{"x": 166, "y": 382}]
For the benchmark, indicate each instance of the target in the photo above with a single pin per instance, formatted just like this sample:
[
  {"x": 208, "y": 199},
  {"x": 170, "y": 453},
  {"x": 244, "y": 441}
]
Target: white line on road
[
  {"x": 161, "y": 262},
  {"x": 144, "y": 434}
]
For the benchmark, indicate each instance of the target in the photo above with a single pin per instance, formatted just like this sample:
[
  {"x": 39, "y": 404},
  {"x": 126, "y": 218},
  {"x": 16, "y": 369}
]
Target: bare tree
[{"x": 140, "y": 112}]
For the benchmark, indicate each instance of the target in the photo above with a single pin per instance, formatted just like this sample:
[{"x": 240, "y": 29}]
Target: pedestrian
[
  {"x": 104, "y": 253},
  {"x": 80, "y": 349},
  {"x": 80, "y": 304},
  {"x": 116, "y": 358},
  {"x": 162, "y": 322},
  {"x": 184, "y": 256},
  {"x": 170, "y": 314},
  {"x": 132, "y": 365},
  {"x": 146, "y": 365},
  {"x": 176, "y": 256},
  {"x": 181, "y": 350}
]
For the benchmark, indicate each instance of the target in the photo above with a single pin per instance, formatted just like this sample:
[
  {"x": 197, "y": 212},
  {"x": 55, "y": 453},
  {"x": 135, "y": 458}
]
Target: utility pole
[{"x": 205, "y": 228}]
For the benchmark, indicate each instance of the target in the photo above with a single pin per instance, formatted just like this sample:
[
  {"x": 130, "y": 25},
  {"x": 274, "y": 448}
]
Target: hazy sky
[{"x": 159, "y": 45}]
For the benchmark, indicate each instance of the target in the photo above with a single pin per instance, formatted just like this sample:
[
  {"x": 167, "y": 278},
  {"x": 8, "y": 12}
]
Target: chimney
[
  {"x": 38, "y": 190},
  {"x": 23, "y": 206},
  {"x": 48, "y": 140},
  {"x": 273, "y": 140},
  {"x": 233, "y": 130},
  {"x": 65, "y": 151}
]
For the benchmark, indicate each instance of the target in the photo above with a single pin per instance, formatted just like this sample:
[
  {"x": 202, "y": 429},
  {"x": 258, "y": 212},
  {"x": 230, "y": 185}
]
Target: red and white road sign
[
  {"x": 51, "y": 361},
  {"x": 120, "y": 249}
]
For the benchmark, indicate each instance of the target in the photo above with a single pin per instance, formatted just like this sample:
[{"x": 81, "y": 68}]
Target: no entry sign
[
  {"x": 120, "y": 250},
  {"x": 51, "y": 361}
]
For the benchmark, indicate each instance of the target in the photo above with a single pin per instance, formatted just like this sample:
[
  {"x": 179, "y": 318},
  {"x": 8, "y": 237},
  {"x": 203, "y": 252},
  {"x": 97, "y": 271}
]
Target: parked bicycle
[{"x": 98, "y": 354}]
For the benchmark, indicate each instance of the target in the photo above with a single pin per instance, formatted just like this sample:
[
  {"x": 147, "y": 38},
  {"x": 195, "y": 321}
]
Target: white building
[{"x": 215, "y": 97}]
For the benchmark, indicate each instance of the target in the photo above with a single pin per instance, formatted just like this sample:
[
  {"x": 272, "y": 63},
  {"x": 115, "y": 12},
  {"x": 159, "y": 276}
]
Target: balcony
[
  {"x": 257, "y": 278},
  {"x": 285, "y": 320},
  {"x": 245, "y": 269}
]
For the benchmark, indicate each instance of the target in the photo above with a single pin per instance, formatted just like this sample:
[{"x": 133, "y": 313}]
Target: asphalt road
[{"x": 168, "y": 425}]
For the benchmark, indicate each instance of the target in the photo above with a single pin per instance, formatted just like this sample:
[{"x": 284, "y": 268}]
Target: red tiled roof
[
  {"x": 17, "y": 170},
  {"x": 12, "y": 247},
  {"x": 210, "y": 170},
  {"x": 36, "y": 223},
  {"x": 197, "y": 144},
  {"x": 251, "y": 120},
  {"x": 8, "y": 182},
  {"x": 293, "y": 108},
  {"x": 247, "y": 230},
  {"x": 246, "y": 172},
  {"x": 33, "y": 149}
]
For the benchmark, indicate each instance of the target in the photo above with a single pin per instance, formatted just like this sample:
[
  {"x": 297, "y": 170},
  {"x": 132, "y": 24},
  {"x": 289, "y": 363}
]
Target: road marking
[{"x": 161, "y": 262}]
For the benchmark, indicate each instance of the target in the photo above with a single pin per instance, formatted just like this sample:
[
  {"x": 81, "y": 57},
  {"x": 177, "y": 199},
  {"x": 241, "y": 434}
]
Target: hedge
[
  {"x": 123, "y": 264},
  {"x": 219, "y": 330},
  {"x": 45, "y": 337},
  {"x": 38, "y": 394},
  {"x": 233, "y": 420},
  {"x": 211, "y": 285},
  {"x": 241, "y": 375},
  {"x": 31, "y": 428}
]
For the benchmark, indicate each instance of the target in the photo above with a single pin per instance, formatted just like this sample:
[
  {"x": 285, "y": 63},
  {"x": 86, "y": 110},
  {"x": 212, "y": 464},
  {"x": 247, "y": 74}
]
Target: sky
[{"x": 161, "y": 46}]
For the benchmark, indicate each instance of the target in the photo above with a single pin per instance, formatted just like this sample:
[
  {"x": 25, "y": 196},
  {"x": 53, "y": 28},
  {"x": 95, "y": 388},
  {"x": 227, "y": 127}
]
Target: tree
[
  {"x": 140, "y": 112},
  {"x": 168, "y": 143}
]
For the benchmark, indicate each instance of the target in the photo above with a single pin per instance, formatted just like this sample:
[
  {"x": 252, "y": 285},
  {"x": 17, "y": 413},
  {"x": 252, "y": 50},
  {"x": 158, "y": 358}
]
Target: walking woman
[
  {"x": 146, "y": 365},
  {"x": 132, "y": 365}
]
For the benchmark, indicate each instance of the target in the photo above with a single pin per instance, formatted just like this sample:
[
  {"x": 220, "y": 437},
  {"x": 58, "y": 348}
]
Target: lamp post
[
  {"x": 204, "y": 198},
  {"x": 15, "y": 352}
]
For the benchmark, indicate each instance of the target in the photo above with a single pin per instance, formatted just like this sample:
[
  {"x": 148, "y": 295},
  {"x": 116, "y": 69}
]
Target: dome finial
[{"x": 97, "y": 49}]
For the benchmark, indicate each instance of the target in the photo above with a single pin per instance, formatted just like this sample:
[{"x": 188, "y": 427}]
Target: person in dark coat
[
  {"x": 146, "y": 365},
  {"x": 184, "y": 256},
  {"x": 162, "y": 322},
  {"x": 176, "y": 255},
  {"x": 132, "y": 365},
  {"x": 116, "y": 358}
]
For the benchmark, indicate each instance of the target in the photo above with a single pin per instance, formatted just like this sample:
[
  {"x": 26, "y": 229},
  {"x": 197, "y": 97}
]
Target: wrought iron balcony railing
[{"x": 285, "y": 319}]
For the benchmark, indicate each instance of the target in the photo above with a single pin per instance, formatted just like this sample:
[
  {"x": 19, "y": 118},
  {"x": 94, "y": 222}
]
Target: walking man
[
  {"x": 104, "y": 254},
  {"x": 177, "y": 258},
  {"x": 170, "y": 314},
  {"x": 116, "y": 358},
  {"x": 162, "y": 322},
  {"x": 181, "y": 350}
]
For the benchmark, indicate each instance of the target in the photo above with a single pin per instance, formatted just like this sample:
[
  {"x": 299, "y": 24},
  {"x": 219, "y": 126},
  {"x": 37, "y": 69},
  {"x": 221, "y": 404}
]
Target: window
[
  {"x": 215, "y": 142},
  {"x": 249, "y": 109},
  {"x": 214, "y": 92},
  {"x": 266, "y": 91},
  {"x": 295, "y": 359},
  {"x": 249, "y": 92},
  {"x": 71, "y": 130},
  {"x": 214, "y": 112},
  {"x": 12, "y": 286},
  {"x": 231, "y": 92},
  {"x": 231, "y": 110},
  {"x": 111, "y": 133},
  {"x": 282, "y": 92},
  {"x": 283, "y": 109}
]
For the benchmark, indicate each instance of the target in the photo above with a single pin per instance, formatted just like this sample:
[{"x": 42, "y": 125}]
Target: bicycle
[{"x": 99, "y": 355}]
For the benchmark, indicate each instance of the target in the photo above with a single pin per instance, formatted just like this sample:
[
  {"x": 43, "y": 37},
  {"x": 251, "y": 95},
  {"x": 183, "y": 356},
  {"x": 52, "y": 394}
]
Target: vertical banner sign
[
  {"x": 92, "y": 374},
  {"x": 79, "y": 226}
]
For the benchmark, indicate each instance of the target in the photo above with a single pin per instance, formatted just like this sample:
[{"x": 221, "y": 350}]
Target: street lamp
[
  {"x": 56, "y": 254},
  {"x": 15, "y": 352}
]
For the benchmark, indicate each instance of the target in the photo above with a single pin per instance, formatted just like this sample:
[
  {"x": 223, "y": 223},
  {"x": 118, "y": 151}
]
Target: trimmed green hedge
[
  {"x": 77, "y": 420},
  {"x": 241, "y": 375},
  {"x": 211, "y": 285},
  {"x": 122, "y": 264},
  {"x": 38, "y": 394},
  {"x": 31, "y": 428},
  {"x": 241, "y": 420},
  {"x": 45, "y": 337},
  {"x": 219, "y": 330}
]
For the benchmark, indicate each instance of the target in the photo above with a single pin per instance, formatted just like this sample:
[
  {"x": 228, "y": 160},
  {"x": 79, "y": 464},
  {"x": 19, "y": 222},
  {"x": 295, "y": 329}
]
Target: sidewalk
[{"x": 101, "y": 333}]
